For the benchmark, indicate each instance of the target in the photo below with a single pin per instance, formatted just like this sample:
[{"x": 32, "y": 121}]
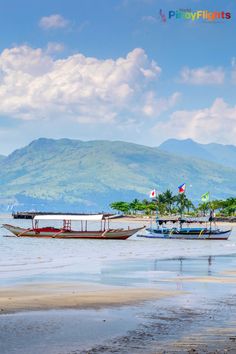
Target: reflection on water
[
  {"x": 209, "y": 265},
  {"x": 186, "y": 266},
  {"x": 153, "y": 272}
]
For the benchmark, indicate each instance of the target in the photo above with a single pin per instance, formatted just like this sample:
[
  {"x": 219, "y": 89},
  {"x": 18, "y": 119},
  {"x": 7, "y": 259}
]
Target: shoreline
[
  {"x": 229, "y": 220},
  {"x": 44, "y": 296},
  {"x": 147, "y": 219}
]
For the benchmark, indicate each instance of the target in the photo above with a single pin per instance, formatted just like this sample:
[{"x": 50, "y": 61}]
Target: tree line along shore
[{"x": 167, "y": 204}]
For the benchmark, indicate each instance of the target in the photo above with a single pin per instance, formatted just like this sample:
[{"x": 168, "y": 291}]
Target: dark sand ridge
[
  {"x": 211, "y": 340},
  {"x": 45, "y": 296}
]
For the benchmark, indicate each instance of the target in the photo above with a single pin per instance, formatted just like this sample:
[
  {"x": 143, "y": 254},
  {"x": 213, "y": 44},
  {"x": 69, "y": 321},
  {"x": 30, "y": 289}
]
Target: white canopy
[{"x": 82, "y": 217}]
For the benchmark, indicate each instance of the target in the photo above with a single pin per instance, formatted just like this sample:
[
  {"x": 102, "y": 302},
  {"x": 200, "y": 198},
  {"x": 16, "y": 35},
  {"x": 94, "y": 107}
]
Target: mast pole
[
  {"x": 181, "y": 206},
  {"x": 157, "y": 216},
  {"x": 181, "y": 211},
  {"x": 211, "y": 213}
]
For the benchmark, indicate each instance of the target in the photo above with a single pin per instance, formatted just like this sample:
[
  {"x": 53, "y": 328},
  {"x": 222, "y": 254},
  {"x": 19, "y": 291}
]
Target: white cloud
[
  {"x": 216, "y": 123},
  {"x": 202, "y": 76},
  {"x": 53, "y": 21},
  {"x": 54, "y": 47},
  {"x": 154, "y": 106},
  {"x": 23, "y": 61},
  {"x": 34, "y": 86}
]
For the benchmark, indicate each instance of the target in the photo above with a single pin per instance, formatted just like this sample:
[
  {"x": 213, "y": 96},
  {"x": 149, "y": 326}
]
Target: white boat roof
[{"x": 82, "y": 217}]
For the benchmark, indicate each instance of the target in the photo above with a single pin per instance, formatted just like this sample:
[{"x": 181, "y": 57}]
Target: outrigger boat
[
  {"x": 187, "y": 233},
  {"x": 66, "y": 232}
]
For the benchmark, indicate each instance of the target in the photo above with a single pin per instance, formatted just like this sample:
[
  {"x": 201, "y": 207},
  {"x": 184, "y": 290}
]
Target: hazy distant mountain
[
  {"x": 74, "y": 175},
  {"x": 222, "y": 154}
]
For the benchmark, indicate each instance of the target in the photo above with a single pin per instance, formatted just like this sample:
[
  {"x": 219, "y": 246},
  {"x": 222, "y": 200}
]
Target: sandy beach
[
  {"x": 77, "y": 296},
  {"x": 147, "y": 219}
]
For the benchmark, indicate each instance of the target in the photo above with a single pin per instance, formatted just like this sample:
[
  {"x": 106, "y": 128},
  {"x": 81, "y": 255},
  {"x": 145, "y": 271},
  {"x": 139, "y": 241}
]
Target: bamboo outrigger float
[{"x": 66, "y": 232}]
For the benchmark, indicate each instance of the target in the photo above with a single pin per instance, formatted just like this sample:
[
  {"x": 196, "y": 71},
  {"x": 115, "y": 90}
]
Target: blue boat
[{"x": 207, "y": 232}]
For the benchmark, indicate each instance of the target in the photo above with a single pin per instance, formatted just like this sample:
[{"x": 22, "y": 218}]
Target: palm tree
[
  {"x": 169, "y": 199},
  {"x": 189, "y": 205},
  {"x": 123, "y": 207},
  {"x": 136, "y": 205},
  {"x": 183, "y": 203}
]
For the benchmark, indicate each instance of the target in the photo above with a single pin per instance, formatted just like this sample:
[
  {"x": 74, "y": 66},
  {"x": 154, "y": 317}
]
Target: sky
[{"x": 117, "y": 70}]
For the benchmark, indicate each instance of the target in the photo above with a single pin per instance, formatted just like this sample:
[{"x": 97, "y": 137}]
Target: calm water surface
[{"x": 28, "y": 260}]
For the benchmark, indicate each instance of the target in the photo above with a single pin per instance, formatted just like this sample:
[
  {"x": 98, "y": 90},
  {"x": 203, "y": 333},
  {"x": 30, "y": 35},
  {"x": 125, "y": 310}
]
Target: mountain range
[
  {"x": 218, "y": 153},
  {"x": 74, "y": 175}
]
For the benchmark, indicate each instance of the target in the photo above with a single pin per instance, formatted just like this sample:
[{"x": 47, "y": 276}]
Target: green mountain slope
[
  {"x": 218, "y": 153},
  {"x": 74, "y": 175}
]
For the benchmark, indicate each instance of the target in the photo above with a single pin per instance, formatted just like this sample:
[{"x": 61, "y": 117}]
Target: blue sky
[{"x": 104, "y": 69}]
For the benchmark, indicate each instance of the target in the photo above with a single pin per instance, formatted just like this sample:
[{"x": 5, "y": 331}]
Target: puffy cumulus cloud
[
  {"x": 53, "y": 21},
  {"x": 34, "y": 86},
  {"x": 217, "y": 123},
  {"x": 202, "y": 76},
  {"x": 23, "y": 61}
]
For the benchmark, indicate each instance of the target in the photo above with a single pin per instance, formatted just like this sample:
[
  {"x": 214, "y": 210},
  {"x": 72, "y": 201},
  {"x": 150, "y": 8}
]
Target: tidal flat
[{"x": 133, "y": 296}]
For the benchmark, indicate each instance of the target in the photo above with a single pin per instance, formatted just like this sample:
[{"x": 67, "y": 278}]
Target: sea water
[{"x": 27, "y": 260}]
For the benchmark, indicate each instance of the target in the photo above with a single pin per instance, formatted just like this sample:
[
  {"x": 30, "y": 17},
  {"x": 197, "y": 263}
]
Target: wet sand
[
  {"x": 211, "y": 343},
  {"x": 179, "y": 329},
  {"x": 211, "y": 279},
  {"x": 73, "y": 296},
  {"x": 183, "y": 314}
]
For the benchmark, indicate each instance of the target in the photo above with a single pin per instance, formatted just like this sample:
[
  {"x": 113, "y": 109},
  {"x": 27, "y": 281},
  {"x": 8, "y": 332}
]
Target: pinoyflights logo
[{"x": 188, "y": 14}]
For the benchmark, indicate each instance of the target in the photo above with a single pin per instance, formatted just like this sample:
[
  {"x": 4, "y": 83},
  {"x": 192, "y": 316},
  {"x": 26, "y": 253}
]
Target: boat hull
[
  {"x": 49, "y": 232},
  {"x": 194, "y": 234}
]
